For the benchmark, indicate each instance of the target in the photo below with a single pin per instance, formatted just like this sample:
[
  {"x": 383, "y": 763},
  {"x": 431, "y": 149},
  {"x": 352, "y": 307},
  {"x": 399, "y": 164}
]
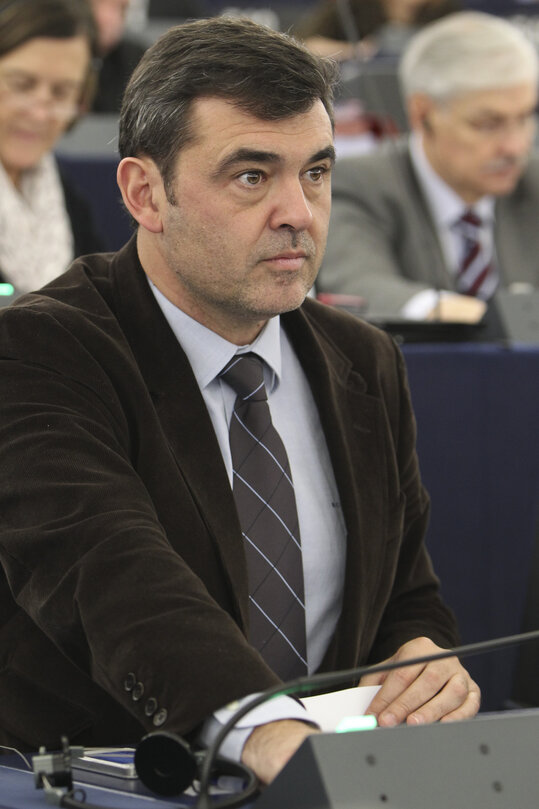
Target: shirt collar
[
  {"x": 445, "y": 204},
  {"x": 208, "y": 352}
]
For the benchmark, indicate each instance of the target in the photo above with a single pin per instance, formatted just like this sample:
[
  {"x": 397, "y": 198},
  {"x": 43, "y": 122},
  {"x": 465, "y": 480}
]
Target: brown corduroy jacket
[{"x": 123, "y": 601}]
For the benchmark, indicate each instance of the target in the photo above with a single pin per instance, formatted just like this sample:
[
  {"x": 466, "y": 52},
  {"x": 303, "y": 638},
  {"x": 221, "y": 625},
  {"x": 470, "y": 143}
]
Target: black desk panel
[{"x": 477, "y": 409}]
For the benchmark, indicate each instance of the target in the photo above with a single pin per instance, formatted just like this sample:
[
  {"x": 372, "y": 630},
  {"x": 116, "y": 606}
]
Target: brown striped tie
[{"x": 264, "y": 495}]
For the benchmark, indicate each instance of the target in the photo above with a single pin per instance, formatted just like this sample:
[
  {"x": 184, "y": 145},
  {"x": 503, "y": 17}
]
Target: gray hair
[{"x": 465, "y": 52}]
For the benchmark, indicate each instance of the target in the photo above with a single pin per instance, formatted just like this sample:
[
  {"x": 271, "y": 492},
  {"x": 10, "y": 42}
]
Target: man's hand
[
  {"x": 270, "y": 746},
  {"x": 442, "y": 690}
]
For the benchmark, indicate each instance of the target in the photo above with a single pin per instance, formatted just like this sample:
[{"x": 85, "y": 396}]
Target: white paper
[{"x": 329, "y": 709}]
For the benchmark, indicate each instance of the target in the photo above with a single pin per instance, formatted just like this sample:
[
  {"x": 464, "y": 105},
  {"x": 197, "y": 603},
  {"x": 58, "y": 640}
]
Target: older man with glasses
[{"x": 434, "y": 225}]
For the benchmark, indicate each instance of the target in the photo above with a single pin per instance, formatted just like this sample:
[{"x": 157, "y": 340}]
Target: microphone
[
  {"x": 167, "y": 765},
  {"x": 303, "y": 685}
]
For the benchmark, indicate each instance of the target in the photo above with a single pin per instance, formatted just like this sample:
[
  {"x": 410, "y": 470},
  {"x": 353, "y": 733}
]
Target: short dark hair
[
  {"x": 263, "y": 72},
  {"x": 23, "y": 20}
]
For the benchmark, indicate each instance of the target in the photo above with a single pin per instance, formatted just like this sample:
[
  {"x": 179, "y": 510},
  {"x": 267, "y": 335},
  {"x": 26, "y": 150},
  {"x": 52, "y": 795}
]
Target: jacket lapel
[
  {"x": 356, "y": 433},
  {"x": 183, "y": 415}
]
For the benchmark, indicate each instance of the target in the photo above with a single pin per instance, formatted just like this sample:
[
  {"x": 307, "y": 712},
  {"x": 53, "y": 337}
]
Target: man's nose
[
  {"x": 518, "y": 139},
  {"x": 291, "y": 208}
]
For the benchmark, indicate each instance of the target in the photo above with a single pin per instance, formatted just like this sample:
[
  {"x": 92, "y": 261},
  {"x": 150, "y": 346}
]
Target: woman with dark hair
[{"x": 46, "y": 79}]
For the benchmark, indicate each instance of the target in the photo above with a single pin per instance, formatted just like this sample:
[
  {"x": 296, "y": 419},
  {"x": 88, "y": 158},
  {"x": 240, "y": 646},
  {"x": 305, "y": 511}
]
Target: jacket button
[
  {"x": 130, "y": 681},
  {"x": 150, "y": 707},
  {"x": 160, "y": 717},
  {"x": 137, "y": 692}
]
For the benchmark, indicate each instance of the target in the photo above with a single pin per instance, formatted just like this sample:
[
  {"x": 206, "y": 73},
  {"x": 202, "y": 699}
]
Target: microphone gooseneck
[{"x": 303, "y": 685}]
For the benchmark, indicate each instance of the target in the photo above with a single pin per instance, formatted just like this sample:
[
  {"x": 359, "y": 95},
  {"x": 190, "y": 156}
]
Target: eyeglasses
[
  {"x": 497, "y": 128},
  {"x": 24, "y": 92}
]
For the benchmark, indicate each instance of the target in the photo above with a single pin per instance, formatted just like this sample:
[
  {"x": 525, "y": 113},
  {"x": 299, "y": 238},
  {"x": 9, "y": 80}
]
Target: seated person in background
[
  {"x": 380, "y": 26},
  {"x": 454, "y": 206},
  {"x": 124, "y": 510},
  {"x": 119, "y": 54},
  {"x": 46, "y": 47}
]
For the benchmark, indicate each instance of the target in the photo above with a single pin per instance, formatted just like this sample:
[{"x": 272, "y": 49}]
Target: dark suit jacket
[
  {"x": 383, "y": 244},
  {"x": 119, "y": 538}
]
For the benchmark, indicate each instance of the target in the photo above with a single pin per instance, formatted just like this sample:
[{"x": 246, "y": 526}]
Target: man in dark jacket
[{"x": 127, "y": 557}]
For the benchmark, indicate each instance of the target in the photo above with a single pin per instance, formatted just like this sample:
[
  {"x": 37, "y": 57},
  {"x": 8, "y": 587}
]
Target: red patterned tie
[{"x": 475, "y": 274}]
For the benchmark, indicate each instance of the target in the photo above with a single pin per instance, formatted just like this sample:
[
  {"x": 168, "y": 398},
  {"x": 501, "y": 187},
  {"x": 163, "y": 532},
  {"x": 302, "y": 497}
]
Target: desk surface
[{"x": 18, "y": 791}]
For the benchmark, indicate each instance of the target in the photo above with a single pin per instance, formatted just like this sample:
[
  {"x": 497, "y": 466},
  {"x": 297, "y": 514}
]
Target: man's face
[
  {"x": 245, "y": 234},
  {"x": 479, "y": 142}
]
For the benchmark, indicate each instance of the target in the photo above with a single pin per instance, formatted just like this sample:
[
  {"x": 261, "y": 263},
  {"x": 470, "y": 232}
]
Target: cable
[
  {"x": 249, "y": 791},
  {"x": 18, "y": 752},
  {"x": 71, "y": 802},
  {"x": 167, "y": 765},
  {"x": 304, "y": 685},
  {"x": 210, "y": 765}
]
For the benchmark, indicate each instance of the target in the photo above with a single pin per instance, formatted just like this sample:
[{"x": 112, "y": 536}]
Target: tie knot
[
  {"x": 469, "y": 217},
  {"x": 245, "y": 374}
]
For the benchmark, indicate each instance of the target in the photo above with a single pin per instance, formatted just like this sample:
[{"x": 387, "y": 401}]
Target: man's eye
[
  {"x": 251, "y": 178},
  {"x": 317, "y": 173}
]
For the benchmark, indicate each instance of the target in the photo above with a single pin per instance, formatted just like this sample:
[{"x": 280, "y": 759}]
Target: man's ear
[
  {"x": 420, "y": 110},
  {"x": 143, "y": 191}
]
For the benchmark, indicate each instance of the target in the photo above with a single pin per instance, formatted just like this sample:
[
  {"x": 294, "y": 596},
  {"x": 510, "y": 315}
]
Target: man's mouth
[
  {"x": 506, "y": 166},
  {"x": 288, "y": 259}
]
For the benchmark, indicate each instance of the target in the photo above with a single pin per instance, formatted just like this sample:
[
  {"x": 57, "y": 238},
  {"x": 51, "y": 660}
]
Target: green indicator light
[
  {"x": 352, "y": 723},
  {"x": 7, "y": 289}
]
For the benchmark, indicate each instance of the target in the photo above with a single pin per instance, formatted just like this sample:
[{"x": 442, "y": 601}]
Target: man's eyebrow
[
  {"x": 246, "y": 155},
  {"x": 328, "y": 153}
]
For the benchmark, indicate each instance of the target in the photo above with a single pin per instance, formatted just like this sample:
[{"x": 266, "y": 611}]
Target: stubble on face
[
  {"x": 233, "y": 264},
  {"x": 239, "y": 295}
]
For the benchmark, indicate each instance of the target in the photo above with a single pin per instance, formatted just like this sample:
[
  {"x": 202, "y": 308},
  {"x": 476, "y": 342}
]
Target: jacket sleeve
[
  {"x": 367, "y": 234},
  {"x": 82, "y": 546}
]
